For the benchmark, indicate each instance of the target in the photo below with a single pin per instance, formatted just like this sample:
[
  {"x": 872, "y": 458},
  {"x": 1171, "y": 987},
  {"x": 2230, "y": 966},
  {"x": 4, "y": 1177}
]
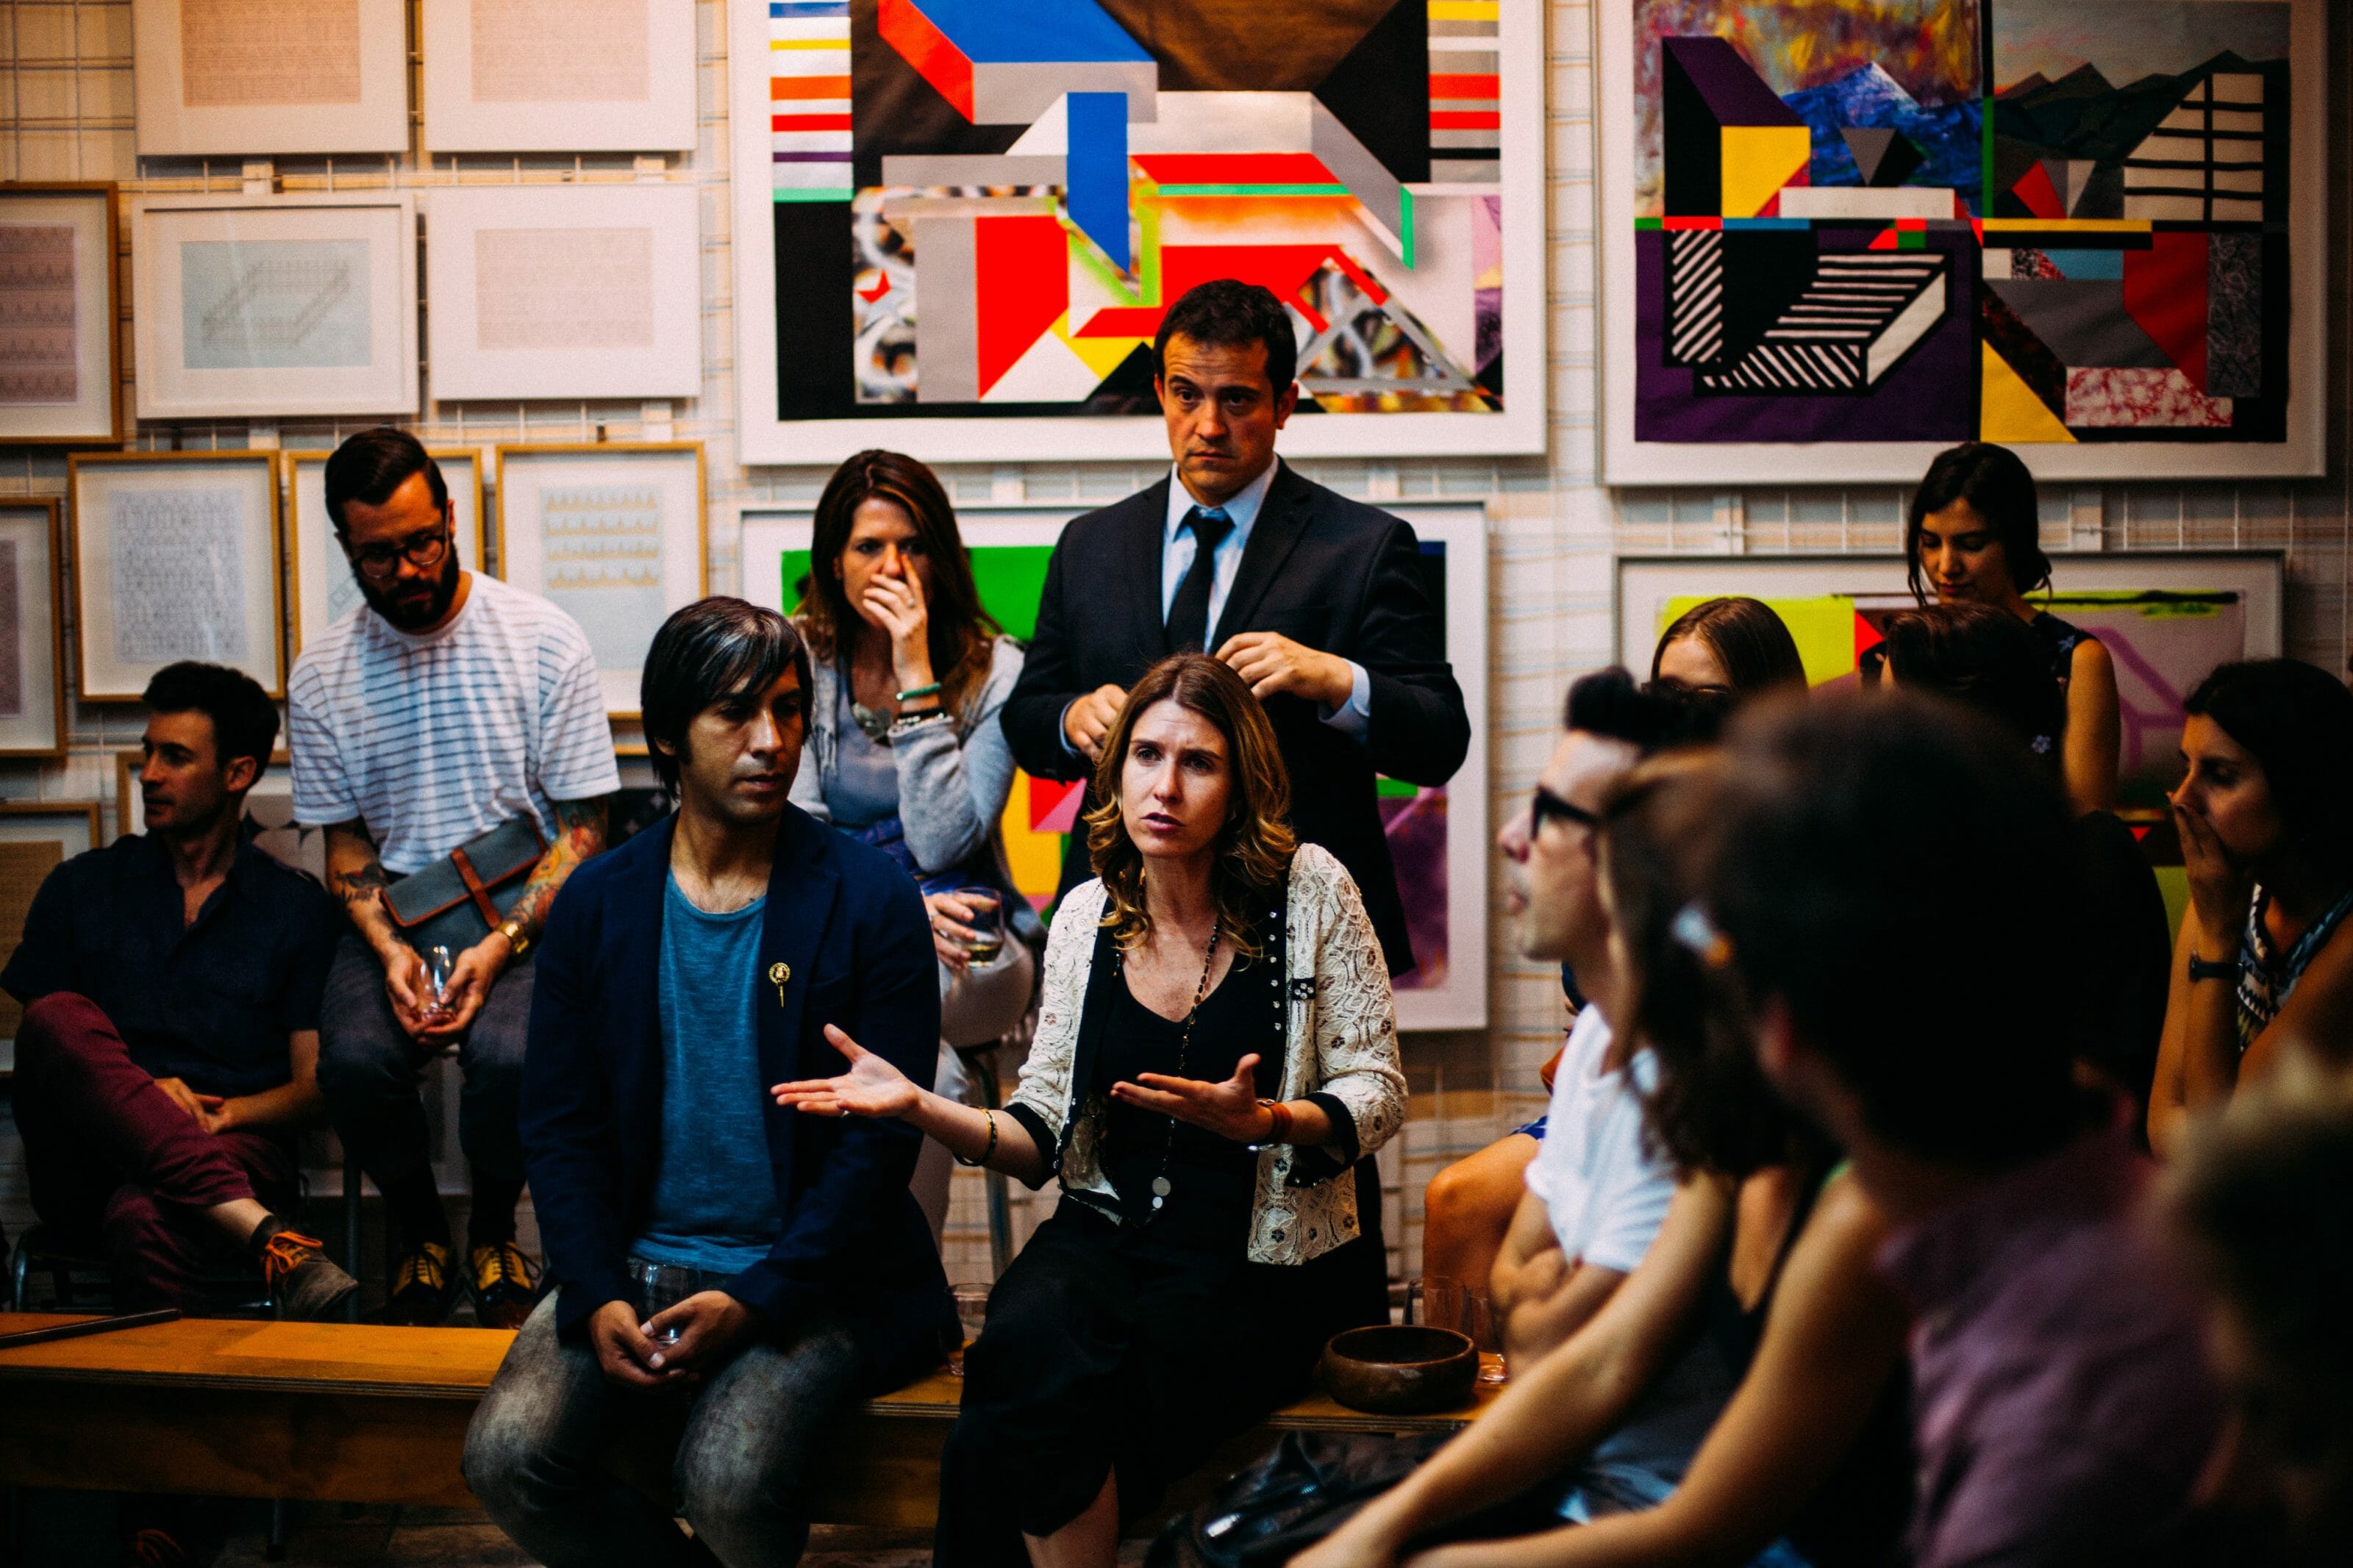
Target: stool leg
[
  {"x": 273, "y": 1550},
  {"x": 352, "y": 1231}
]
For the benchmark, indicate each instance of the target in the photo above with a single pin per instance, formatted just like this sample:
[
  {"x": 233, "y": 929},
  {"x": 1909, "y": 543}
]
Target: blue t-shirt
[{"x": 714, "y": 1203}]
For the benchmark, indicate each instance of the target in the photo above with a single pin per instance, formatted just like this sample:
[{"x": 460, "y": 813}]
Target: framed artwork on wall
[
  {"x": 175, "y": 556},
  {"x": 221, "y": 78},
  {"x": 558, "y": 76},
  {"x": 2166, "y": 619},
  {"x": 264, "y": 306},
  {"x": 614, "y": 536},
  {"x": 959, "y": 223},
  {"x": 1841, "y": 239},
  {"x": 1437, "y": 838},
  {"x": 324, "y": 588},
  {"x": 36, "y": 836},
  {"x": 566, "y": 291},
  {"x": 32, "y": 631},
  {"x": 61, "y": 377}
]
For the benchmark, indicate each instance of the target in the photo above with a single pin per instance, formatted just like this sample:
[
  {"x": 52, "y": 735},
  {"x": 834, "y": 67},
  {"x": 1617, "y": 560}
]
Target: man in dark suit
[
  {"x": 1318, "y": 601},
  {"x": 728, "y": 1274}
]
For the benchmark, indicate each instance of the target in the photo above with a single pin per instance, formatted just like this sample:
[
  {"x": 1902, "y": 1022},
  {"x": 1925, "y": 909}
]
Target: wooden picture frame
[
  {"x": 84, "y": 349},
  {"x": 555, "y": 87},
  {"x": 272, "y": 306},
  {"x": 176, "y": 509},
  {"x": 323, "y": 590},
  {"x": 625, "y": 485},
  {"x": 292, "y": 77},
  {"x": 32, "y": 537},
  {"x": 22, "y": 871}
]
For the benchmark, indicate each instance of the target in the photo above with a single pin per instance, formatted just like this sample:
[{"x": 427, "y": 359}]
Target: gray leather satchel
[{"x": 463, "y": 896}]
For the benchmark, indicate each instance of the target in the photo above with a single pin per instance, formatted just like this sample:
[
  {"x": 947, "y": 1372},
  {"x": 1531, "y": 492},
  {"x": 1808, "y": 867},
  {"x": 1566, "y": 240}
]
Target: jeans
[
  {"x": 539, "y": 1454},
  {"x": 368, "y": 1067},
  {"x": 110, "y": 1159}
]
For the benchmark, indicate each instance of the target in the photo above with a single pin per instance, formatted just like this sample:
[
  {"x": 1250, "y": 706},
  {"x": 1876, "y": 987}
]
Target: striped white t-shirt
[{"x": 433, "y": 739}]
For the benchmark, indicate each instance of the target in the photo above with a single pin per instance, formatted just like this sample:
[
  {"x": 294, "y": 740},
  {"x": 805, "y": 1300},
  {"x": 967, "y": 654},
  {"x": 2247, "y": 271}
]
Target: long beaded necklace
[{"x": 1161, "y": 1185}]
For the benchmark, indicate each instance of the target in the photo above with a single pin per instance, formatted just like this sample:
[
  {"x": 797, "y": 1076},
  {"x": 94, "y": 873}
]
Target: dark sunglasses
[{"x": 1545, "y": 806}]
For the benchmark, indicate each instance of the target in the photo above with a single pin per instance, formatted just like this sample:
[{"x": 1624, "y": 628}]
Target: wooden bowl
[{"x": 1400, "y": 1369}]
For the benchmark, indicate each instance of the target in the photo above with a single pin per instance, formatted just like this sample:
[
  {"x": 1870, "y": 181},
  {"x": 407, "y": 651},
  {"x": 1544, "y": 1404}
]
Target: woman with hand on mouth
[
  {"x": 1215, "y": 1050},
  {"x": 1972, "y": 535}
]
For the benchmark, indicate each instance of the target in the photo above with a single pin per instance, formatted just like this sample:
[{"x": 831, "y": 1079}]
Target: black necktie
[{"x": 1188, "y": 614}]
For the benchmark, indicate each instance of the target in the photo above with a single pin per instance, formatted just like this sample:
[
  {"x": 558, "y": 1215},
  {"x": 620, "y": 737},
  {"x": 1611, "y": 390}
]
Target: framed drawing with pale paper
[
  {"x": 958, "y": 222},
  {"x": 564, "y": 291},
  {"x": 558, "y": 76},
  {"x": 61, "y": 376},
  {"x": 613, "y": 535},
  {"x": 1437, "y": 838},
  {"x": 325, "y": 589},
  {"x": 264, "y": 306},
  {"x": 222, "y": 78},
  {"x": 35, "y": 838},
  {"x": 32, "y": 636},
  {"x": 175, "y": 556}
]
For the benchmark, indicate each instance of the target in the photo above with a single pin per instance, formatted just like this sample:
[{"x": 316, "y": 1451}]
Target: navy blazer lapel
[
  {"x": 635, "y": 903},
  {"x": 1144, "y": 543},
  {"x": 1281, "y": 520},
  {"x": 803, "y": 883}
]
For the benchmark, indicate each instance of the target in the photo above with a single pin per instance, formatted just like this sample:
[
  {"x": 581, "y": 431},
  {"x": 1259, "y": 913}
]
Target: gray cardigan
[{"x": 954, "y": 778}]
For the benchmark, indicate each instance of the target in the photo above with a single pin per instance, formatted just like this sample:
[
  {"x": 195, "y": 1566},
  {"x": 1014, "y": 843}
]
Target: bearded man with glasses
[{"x": 449, "y": 705}]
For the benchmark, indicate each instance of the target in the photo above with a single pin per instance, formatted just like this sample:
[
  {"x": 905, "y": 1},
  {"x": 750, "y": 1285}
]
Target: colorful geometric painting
[
  {"x": 980, "y": 211},
  {"x": 2037, "y": 222}
]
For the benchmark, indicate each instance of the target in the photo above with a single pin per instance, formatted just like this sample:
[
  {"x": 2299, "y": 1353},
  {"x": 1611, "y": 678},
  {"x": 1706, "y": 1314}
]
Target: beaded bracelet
[
  {"x": 914, "y": 691},
  {"x": 985, "y": 1154}
]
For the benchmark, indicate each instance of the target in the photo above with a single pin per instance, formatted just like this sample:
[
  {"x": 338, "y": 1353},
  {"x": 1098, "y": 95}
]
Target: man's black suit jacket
[{"x": 1324, "y": 570}]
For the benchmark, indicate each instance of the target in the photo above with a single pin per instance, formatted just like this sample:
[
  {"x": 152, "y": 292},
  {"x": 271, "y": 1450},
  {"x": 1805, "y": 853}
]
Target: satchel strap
[{"x": 474, "y": 888}]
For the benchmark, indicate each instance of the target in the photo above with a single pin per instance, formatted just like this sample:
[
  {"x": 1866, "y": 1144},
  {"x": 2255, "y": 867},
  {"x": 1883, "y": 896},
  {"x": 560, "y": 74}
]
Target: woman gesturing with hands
[{"x": 1215, "y": 1051}]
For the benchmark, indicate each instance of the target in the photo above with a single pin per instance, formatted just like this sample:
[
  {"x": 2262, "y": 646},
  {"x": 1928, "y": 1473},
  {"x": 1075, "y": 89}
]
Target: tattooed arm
[
  {"x": 579, "y": 833},
  {"x": 356, "y": 876}
]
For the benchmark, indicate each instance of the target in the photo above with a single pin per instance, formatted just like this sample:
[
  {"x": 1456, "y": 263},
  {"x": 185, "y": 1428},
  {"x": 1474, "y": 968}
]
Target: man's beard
[{"x": 414, "y": 619}]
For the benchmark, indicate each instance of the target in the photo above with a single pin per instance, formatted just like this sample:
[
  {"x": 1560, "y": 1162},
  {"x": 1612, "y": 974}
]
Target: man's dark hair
[
  {"x": 2297, "y": 721},
  {"x": 373, "y": 464},
  {"x": 1229, "y": 314},
  {"x": 245, "y": 720},
  {"x": 1609, "y": 703},
  {"x": 708, "y": 651},
  {"x": 1899, "y": 875},
  {"x": 2000, "y": 488}
]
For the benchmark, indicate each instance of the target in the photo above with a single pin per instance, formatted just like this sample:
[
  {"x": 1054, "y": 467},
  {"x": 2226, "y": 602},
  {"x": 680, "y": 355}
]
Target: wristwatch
[
  {"x": 512, "y": 930},
  {"x": 2219, "y": 969}
]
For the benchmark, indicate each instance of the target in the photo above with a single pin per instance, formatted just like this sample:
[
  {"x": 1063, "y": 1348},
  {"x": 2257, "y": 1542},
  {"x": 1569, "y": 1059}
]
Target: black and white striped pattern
[
  {"x": 1839, "y": 334},
  {"x": 1695, "y": 296}
]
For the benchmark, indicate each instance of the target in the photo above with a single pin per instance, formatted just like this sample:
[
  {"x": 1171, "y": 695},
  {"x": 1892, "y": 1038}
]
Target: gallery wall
[{"x": 66, "y": 113}]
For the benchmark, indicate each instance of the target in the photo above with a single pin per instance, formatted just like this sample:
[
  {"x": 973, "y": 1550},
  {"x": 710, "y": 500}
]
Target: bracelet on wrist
[
  {"x": 1278, "y": 1129},
  {"x": 914, "y": 691},
  {"x": 985, "y": 1154}
]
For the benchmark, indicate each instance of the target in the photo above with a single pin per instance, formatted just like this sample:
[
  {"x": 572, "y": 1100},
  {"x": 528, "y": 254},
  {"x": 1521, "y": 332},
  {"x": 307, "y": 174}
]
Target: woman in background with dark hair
[
  {"x": 1728, "y": 649},
  {"x": 2265, "y": 954},
  {"x": 1973, "y": 534},
  {"x": 905, "y": 752}
]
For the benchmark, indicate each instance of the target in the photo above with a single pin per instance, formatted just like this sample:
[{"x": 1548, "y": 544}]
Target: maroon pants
[{"x": 115, "y": 1164}]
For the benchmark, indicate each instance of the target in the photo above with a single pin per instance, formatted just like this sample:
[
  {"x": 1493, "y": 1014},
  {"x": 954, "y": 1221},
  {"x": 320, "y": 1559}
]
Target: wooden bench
[{"x": 352, "y": 1412}]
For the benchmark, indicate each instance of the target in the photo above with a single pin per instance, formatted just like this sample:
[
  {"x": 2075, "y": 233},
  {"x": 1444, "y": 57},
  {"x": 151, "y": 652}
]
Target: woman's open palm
[
  {"x": 872, "y": 1087},
  {"x": 1229, "y": 1109}
]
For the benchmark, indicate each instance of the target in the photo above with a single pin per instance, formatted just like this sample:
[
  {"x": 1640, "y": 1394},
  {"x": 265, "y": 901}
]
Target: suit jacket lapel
[
  {"x": 636, "y": 992},
  {"x": 1140, "y": 551},
  {"x": 802, "y": 887},
  {"x": 1281, "y": 520}
]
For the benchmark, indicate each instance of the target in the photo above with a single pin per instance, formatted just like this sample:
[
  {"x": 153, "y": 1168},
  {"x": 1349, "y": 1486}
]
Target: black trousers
[{"x": 1110, "y": 1348}]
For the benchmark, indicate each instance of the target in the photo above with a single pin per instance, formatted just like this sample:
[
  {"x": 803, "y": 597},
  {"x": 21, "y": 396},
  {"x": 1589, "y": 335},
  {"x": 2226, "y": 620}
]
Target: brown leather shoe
[
  {"x": 501, "y": 1281},
  {"x": 423, "y": 1291}
]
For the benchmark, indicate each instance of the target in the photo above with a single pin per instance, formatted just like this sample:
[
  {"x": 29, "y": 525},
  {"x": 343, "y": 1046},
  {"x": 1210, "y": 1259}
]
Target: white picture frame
[
  {"x": 270, "y": 306},
  {"x": 651, "y": 490},
  {"x": 224, "y": 78},
  {"x": 564, "y": 291},
  {"x": 175, "y": 556},
  {"x": 555, "y": 76},
  {"x": 32, "y": 640},
  {"x": 72, "y": 827},
  {"x": 1458, "y": 1000},
  {"x": 61, "y": 380},
  {"x": 324, "y": 591},
  {"x": 1629, "y": 462},
  {"x": 1520, "y": 427}
]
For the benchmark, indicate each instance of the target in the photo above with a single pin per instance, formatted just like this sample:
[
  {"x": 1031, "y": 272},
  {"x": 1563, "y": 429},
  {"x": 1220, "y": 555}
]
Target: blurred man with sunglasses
[{"x": 448, "y": 705}]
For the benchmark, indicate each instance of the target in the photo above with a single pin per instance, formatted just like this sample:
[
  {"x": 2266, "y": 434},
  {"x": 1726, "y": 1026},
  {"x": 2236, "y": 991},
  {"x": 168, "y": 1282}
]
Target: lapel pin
[{"x": 778, "y": 974}]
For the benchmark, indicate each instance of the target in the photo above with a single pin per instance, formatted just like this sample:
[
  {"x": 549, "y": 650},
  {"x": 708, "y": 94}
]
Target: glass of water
[
  {"x": 987, "y": 924},
  {"x": 661, "y": 1286},
  {"x": 972, "y": 1313}
]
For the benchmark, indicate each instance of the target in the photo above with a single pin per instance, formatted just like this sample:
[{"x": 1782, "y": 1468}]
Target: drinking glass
[
  {"x": 437, "y": 967},
  {"x": 988, "y": 923},
  {"x": 1450, "y": 1304},
  {"x": 661, "y": 1286},
  {"x": 972, "y": 1313}
]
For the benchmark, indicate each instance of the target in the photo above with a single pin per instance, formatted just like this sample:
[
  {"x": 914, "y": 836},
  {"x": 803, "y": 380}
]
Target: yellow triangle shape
[
  {"x": 2008, "y": 409},
  {"x": 1102, "y": 355}
]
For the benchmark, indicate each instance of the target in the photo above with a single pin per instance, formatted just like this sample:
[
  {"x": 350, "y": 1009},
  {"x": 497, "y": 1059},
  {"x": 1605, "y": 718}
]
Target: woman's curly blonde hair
[{"x": 1253, "y": 849}]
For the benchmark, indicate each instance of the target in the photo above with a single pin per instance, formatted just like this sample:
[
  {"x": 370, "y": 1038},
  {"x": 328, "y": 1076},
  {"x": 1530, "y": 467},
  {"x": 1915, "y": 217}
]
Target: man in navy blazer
[{"x": 724, "y": 1272}]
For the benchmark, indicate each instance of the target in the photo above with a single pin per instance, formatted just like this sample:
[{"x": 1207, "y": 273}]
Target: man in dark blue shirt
[
  {"x": 790, "y": 1268},
  {"x": 170, "y": 1043}
]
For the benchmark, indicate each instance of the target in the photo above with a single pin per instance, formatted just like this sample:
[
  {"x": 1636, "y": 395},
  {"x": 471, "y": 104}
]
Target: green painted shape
[
  {"x": 793, "y": 566},
  {"x": 1649, "y": 224},
  {"x": 843, "y": 195},
  {"x": 1404, "y": 216},
  {"x": 1394, "y": 789},
  {"x": 2173, "y": 886},
  {"x": 1011, "y": 579}
]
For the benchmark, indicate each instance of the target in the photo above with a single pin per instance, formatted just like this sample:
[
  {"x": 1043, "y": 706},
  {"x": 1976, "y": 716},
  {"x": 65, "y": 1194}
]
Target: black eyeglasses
[
  {"x": 379, "y": 563},
  {"x": 1545, "y": 806}
]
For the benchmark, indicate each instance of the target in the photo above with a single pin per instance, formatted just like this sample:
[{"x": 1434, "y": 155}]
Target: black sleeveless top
[{"x": 2059, "y": 640}]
